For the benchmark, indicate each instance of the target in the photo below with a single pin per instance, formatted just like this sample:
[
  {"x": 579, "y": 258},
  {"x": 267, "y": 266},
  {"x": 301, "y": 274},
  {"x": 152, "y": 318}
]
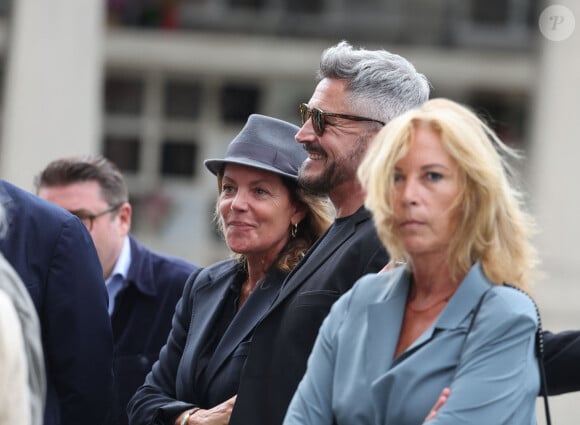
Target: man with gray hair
[{"x": 358, "y": 92}]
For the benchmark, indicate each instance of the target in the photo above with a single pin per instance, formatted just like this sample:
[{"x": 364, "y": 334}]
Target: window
[
  {"x": 124, "y": 95},
  {"x": 125, "y": 151},
  {"x": 182, "y": 99},
  {"x": 506, "y": 113},
  {"x": 178, "y": 158},
  {"x": 238, "y": 102},
  {"x": 304, "y": 6},
  {"x": 493, "y": 12},
  {"x": 5, "y": 8},
  {"x": 247, "y": 4}
]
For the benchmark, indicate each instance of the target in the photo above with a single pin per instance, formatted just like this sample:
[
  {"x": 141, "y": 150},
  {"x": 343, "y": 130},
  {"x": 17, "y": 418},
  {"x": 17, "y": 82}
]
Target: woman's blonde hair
[
  {"x": 492, "y": 226},
  {"x": 318, "y": 218}
]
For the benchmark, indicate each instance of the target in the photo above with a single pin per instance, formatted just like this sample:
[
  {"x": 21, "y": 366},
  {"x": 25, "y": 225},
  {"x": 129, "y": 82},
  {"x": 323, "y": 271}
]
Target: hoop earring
[{"x": 294, "y": 230}]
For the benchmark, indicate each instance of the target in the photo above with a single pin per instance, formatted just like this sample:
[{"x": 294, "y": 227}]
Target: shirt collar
[{"x": 123, "y": 262}]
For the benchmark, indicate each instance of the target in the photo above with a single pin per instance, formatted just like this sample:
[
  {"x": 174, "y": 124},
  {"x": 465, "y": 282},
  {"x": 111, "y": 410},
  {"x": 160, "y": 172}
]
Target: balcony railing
[{"x": 509, "y": 24}]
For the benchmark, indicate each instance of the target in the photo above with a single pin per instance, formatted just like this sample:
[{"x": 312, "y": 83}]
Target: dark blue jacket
[
  {"x": 142, "y": 319},
  {"x": 186, "y": 374},
  {"x": 53, "y": 253}
]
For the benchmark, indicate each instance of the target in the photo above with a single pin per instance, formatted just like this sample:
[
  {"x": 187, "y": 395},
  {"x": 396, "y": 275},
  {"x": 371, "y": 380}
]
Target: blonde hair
[
  {"x": 318, "y": 218},
  {"x": 493, "y": 227}
]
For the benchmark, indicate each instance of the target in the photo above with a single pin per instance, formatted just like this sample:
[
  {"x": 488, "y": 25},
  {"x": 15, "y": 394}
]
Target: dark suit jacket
[
  {"x": 183, "y": 377},
  {"x": 142, "y": 319},
  {"x": 54, "y": 255},
  {"x": 561, "y": 361},
  {"x": 283, "y": 340}
]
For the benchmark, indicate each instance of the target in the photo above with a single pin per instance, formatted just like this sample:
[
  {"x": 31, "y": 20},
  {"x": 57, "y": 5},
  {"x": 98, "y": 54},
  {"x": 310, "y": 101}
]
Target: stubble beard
[{"x": 336, "y": 172}]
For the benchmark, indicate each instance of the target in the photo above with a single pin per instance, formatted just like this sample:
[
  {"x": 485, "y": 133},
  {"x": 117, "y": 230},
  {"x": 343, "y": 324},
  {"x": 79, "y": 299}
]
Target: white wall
[
  {"x": 52, "y": 101},
  {"x": 553, "y": 174}
]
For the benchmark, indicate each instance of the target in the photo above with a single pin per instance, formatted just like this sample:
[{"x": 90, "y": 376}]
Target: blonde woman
[{"x": 443, "y": 204}]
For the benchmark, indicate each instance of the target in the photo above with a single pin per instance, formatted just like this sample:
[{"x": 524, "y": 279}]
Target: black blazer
[
  {"x": 142, "y": 319},
  {"x": 283, "y": 340},
  {"x": 53, "y": 253},
  {"x": 562, "y": 361},
  {"x": 175, "y": 383}
]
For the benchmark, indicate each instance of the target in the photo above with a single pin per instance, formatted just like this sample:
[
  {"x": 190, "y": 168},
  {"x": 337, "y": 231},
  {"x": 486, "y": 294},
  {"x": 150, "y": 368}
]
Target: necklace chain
[{"x": 429, "y": 307}]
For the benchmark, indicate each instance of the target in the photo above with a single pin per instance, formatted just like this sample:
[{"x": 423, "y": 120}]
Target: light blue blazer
[{"x": 352, "y": 378}]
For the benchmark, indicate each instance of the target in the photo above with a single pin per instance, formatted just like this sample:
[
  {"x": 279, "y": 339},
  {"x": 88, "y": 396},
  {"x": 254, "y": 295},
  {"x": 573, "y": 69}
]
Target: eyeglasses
[
  {"x": 319, "y": 118},
  {"x": 88, "y": 218}
]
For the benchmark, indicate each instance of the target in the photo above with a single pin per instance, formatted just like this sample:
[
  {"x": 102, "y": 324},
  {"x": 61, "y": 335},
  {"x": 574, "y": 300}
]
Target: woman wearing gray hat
[{"x": 269, "y": 224}]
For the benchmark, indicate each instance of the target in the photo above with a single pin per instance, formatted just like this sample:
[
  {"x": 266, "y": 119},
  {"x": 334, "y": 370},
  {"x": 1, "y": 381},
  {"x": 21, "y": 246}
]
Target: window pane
[
  {"x": 178, "y": 158},
  {"x": 490, "y": 11},
  {"x": 182, "y": 99},
  {"x": 506, "y": 113},
  {"x": 124, "y": 95},
  {"x": 304, "y": 6},
  {"x": 238, "y": 102},
  {"x": 139, "y": 13},
  {"x": 125, "y": 151},
  {"x": 5, "y": 8},
  {"x": 247, "y": 4}
]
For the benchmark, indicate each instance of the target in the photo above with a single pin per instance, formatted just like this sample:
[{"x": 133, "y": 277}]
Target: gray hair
[{"x": 382, "y": 85}]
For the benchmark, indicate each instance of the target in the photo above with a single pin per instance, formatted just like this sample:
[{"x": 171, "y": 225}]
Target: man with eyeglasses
[
  {"x": 143, "y": 286},
  {"x": 358, "y": 91},
  {"x": 56, "y": 259}
]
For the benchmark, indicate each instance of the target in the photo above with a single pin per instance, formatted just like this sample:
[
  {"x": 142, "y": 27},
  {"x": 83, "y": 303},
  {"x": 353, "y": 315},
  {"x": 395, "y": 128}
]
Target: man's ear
[{"x": 124, "y": 216}]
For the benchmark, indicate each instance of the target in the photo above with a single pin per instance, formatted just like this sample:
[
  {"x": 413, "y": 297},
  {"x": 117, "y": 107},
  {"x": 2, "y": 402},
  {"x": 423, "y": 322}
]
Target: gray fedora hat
[{"x": 266, "y": 143}]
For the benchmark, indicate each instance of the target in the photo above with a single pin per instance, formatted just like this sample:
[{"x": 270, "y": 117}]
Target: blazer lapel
[
  {"x": 386, "y": 314},
  {"x": 461, "y": 304},
  {"x": 208, "y": 301},
  {"x": 246, "y": 320},
  {"x": 465, "y": 299},
  {"x": 315, "y": 256}
]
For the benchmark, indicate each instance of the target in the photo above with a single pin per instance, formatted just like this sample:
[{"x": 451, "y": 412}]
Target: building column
[
  {"x": 555, "y": 160},
  {"x": 52, "y": 102}
]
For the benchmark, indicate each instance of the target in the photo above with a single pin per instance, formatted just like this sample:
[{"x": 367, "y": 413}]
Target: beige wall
[
  {"x": 553, "y": 173},
  {"x": 52, "y": 87}
]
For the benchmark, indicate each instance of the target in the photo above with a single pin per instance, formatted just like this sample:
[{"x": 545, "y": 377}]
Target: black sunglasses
[{"x": 319, "y": 118}]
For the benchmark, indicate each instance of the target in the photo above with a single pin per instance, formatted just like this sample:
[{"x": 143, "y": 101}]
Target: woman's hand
[
  {"x": 217, "y": 415},
  {"x": 440, "y": 402}
]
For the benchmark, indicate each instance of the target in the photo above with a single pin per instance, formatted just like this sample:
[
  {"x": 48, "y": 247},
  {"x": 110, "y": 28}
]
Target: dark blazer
[
  {"x": 178, "y": 380},
  {"x": 54, "y": 255},
  {"x": 283, "y": 340},
  {"x": 561, "y": 360},
  {"x": 142, "y": 319}
]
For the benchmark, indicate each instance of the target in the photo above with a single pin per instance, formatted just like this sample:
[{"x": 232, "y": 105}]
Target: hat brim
[{"x": 216, "y": 165}]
